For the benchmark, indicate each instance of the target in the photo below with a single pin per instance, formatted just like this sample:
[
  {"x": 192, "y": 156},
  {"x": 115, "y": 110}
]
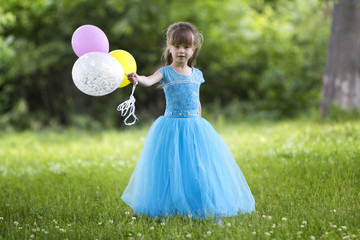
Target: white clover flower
[
  {"x": 1, "y": 218},
  {"x": 55, "y": 221},
  {"x": 273, "y": 226},
  {"x": 139, "y": 235},
  {"x": 208, "y": 233},
  {"x": 269, "y": 218},
  {"x": 188, "y": 235},
  {"x": 304, "y": 222},
  {"x": 56, "y": 226},
  {"x": 284, "y": 219},
  {"x": 15, "y": 223},
  {"x": 300, "y": 232},
  {"x": 152, "y": 228},
  {"x": 264, "y": 216},
  {"x": 133, "y": 218},
  {"x": 253, "y": 233},
  {"x": 271, "y": 232},
  {"x": 69, "y": 225},
  {"x": 345, "y": 237},
  {"x": 111, "y": 221},
  {"x": 334, "y": 226},
  {"x": 32, "y": 236},
  {"x": 228, "y": 225},
  {"x": 343, "y": 227},
  {"x": 8, "y": 205},
  {"x": 162, "y": 224},
  {"x": 46, "y": 232},
  {"x": 267, "y": 234},
  {"x": 100, "y": 223},
  {"x": 127, "y": 214},
  {"x": 333, "y": 211},
  {"x": 62, "y": 230},
  {"x": 312, "y": 237},
  {"x": 131, "y": 222},
  {"x": 35, "y": 224},
  {"x": 43, "y": 230},
  {"x": 33, "y": 230},
  {"x": 326, "y": 233},
  {"x": 20, "y": 228},
  {"x": 38, "y": 229},
  {"x": 339, "y": 229},
  {"x": 302, "y": 226}
]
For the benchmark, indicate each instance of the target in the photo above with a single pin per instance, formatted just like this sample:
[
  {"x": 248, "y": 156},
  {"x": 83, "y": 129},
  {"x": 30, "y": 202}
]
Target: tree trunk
[{"x": 341, "y": 81}]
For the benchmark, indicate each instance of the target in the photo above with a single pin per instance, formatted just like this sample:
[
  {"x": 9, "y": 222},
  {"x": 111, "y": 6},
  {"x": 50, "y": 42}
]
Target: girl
[{"x": 185, "y": 166}]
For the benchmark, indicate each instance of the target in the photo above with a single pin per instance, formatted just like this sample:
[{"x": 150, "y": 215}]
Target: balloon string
[{"x": 129, "y": 106}]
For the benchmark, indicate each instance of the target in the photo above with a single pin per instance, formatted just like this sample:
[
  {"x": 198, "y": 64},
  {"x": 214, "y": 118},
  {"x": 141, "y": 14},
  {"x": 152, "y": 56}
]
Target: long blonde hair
[{"x": 182, "y": 33}]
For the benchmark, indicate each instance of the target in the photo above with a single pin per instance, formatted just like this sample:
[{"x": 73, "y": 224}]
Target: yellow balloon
[{"x": 127, "y": 61}]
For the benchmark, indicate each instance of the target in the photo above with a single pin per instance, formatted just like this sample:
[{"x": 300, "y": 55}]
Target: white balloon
[{"x": 97, "y": 74}]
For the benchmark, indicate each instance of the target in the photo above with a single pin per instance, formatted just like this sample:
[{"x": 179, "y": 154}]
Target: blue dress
[{"x": 185, "y": 166}]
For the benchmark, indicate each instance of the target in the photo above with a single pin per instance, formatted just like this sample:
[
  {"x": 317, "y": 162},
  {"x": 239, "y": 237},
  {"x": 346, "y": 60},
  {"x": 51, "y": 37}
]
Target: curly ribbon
[{"x": 129, "y": 106}]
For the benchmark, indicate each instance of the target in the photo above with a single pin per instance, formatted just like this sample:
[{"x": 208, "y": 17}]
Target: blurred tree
[
  {"x": 266, "y": 54},
  {"x": 341, "y": 81}
]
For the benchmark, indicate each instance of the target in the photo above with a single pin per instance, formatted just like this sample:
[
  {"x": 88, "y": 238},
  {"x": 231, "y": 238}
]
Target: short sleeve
[
  {"x": 163, "y": 73},
  {"x": 202, "y": 80}
]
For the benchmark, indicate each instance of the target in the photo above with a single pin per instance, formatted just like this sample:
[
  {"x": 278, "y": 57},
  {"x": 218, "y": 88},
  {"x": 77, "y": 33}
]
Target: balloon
[
  {"x": 97, "y": 74},
  {"x": 127, "y": 61},
  {"x": 89, "y": 38}
]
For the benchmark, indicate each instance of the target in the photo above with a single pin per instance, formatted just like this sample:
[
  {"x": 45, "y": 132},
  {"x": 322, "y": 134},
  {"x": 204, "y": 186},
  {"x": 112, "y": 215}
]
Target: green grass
[{"x": 67, "y": 185}]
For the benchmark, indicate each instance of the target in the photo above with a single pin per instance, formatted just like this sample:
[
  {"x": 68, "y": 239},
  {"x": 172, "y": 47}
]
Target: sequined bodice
[{"x": 181, "y": 92}]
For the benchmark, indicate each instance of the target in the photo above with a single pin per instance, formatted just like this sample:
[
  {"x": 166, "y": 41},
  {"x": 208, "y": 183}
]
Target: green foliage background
[{"x": 262, "y": 58}]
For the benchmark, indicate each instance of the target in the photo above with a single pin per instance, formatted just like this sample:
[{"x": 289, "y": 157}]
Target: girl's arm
[{"x": 143, "y": 80}]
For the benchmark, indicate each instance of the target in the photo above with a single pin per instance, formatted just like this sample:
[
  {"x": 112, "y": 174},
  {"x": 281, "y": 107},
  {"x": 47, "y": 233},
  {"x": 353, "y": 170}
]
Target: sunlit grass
[{"x": 305, "y": 178}]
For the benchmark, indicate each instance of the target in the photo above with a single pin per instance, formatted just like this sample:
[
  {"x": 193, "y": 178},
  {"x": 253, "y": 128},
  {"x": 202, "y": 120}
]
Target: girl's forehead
[
  {"x": 182, "y": 38},
  {"x": 181, "y": 44}
]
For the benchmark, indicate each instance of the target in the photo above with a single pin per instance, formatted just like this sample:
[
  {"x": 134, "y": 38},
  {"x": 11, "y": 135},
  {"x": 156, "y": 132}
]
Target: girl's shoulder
[
  {"x": 164, "y": 71},
  {"x": 168, "y": 69},
  {"x": 197, "y": 71},
  {"x": 199, "y": 75},
  {"x": 170, "y": 75}
]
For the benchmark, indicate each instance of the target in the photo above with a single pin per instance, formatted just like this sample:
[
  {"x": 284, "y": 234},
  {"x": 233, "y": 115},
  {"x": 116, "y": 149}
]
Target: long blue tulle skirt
[{"x": 187, "y": 168}]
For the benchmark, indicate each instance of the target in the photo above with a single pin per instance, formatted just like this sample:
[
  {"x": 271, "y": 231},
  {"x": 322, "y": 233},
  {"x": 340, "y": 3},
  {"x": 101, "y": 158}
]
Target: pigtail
[{"x": 167, "y": 57}]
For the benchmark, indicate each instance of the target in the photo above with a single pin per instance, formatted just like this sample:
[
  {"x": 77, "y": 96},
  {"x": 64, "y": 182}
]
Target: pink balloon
[{"x": 89, "y": 38}]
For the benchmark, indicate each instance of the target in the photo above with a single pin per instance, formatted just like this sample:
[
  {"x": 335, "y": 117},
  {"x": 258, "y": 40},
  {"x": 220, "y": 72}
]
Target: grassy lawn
[{"x": 304, "y": 175}]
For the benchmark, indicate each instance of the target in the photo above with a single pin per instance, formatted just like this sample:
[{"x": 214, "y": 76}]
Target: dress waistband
[{"x": 182, "y": 113}]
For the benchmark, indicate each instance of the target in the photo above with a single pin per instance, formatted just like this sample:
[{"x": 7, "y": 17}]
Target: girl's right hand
[{"x": 133, "y": 77}]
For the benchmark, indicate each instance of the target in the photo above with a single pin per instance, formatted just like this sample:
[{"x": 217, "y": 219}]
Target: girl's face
[{"x": 181, "y": 53}]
